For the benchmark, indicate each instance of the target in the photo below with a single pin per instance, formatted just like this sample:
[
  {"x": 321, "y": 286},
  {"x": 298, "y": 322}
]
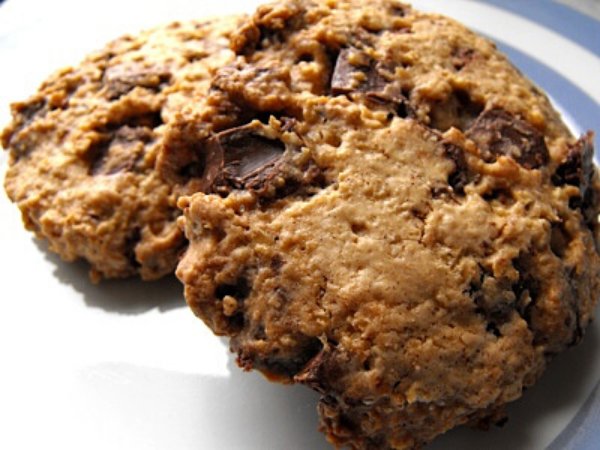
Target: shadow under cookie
[
  {"x": 130, "y": 296},
  {"x": 563, "y": 387}
]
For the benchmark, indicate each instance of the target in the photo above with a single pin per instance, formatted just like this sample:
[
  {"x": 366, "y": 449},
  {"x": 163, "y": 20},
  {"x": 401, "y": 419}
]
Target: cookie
[
  {"x": 83, "y": 149},
  {"x": 388, "y": 212}
]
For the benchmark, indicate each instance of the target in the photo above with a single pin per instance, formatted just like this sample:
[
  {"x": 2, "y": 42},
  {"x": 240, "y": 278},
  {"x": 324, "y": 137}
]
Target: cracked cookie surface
[
  {"x": 388, "y": 212},
  {"x": 83, "y": 149}
]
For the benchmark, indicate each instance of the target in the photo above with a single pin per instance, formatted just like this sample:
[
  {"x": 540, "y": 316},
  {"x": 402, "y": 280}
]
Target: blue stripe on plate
[
  {"x": 582, "y": 432},
  {"x": 580, "y": 106},
  {"x": 567, "y": 22}
]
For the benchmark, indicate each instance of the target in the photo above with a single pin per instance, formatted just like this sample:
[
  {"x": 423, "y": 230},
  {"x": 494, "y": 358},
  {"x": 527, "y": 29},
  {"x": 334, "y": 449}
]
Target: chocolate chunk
[
  {"x": 315, "y": 369},
  {"x": 347, "y": 77},
  {"x": 494, "y": 300},
  {"x": 578, "y": 170},
  {"x": 247, "y": 157},
  {"x": 120, "y": 80},
  {"x": 120, "y": 152},
  {"x": 459, "y": 177},
  {"x": 30, "y": 109},
  {"x": 497, "y": 132},
  {"x": 24, "y": 114},
  {"x": 364, "y": 77},
  {"x": 578, "y": 167},
  {"x": 291, "y": 365},
  {"x": 283, "y": 365},
  {"x": 457, "y": 110},
  {"x": 241, "y": 158},
  {"x": 461, "y": 57},
  {"x": 527, "y": 289}
]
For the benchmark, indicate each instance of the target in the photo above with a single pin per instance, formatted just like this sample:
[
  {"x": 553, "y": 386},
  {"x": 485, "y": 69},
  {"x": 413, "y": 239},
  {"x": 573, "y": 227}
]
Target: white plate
[{"x": 125, "y": 365}]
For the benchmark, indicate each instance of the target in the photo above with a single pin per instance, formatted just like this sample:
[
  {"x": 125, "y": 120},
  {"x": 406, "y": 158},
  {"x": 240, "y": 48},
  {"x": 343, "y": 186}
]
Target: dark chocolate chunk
[
  {"x": 578, "y": 170},
  {"x": 366, "y": 78},
  {"x": 459, "y": 177},
  {"x": 494, "y": 299},
  {"x": 241, "y": 158},
  {"x": 31, "y": 109},
  {"x": 283, "y": 365},
  {"x": 120, "y": 80},
  {"x": 527, "y": 289},
  {"x": 497, "y": 132},
  {"x": 326, "y": 368},
  {"x": 313, "y": 371},
  {"x": 461, "y": 57},
  {"x": 23, "y": 114},
  {"x": 120, "y": 151},
  {"x": 346, "y": 77},
  {"x": 290, "y": 365},
  {"x": 457, "y": 110}
]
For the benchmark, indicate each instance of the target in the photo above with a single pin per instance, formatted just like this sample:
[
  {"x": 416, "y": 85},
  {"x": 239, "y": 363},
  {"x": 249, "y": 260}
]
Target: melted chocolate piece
[
  {"x": 345, "y": 78},
  {"x": 290, "y": 365},
  {"x": 31, "y": 109},
  {"x": 578, "y": 167},
  {"x": 526, "y": 290},
  {"x": 24, "y": 114},
  {"x": 366, "y": 78},
  {"x": 314, "y": 372},
  {"x": 457, "y": 110},
  {"x": 459, "y": 177},
  {"x": 280, "y": 365},
  {"x": 497, "y": 132},
  {"x": 461, "y": 57},
  {"x": 494, "y": 300},
  {"x": 241, "y": 158},
  {"x": 120, "y": 152},
  {"x": 122, "y": 79},
  {"x": 578, "y": 170}
]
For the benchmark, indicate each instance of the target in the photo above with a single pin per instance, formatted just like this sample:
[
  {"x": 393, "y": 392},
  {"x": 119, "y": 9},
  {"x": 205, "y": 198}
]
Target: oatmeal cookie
[
  {"x": 83, "y": 149},
  {"x": 388, "y": 212}
]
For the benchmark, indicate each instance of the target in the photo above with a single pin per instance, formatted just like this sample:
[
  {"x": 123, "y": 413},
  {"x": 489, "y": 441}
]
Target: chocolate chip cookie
[
  {"x": 388, "y": 212},
  {"x": 83, "y": 149}
]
